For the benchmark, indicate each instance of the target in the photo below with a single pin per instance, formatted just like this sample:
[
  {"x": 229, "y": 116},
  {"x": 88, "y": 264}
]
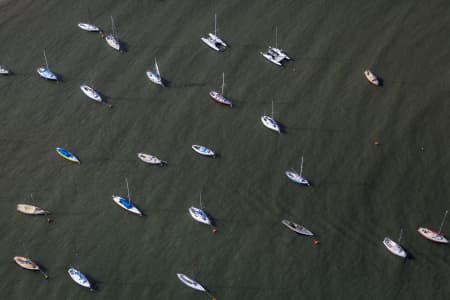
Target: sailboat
[
  {"x": 45, "y": 72},
  {"x": 112, "y": 39},
  {"x": 275, "y": 54},
  {"x": 193, "y": 284},
  {"x": 126, "y": 203},
  {"x": 198, "y": 214},
  {"x": 155, "y": 77},
  {"x": 91, "y": 92},
  {"x": 28, "y": 264},
  {"x": 394, "y": 247},
  {"x": 297, "y": 228},
  {"x": 213, "y": 41},
  {"x": 67, "y": 155},
  {"x": 433, "y": 235},
  {"x": 88, "y": 26},
  {"x": 219, "y": 97},
  {"x": 296, "y": 177},
  {"x": 270, "y": 122}
]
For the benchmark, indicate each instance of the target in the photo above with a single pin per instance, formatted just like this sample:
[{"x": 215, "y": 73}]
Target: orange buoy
[
  {"x": 316, "y": 242},
  {"x": 49, "y": 220},
  {"x": 376, "y": 143},
  {"x": 110, "y": 106},
  {"x": 214, "y": 230}
]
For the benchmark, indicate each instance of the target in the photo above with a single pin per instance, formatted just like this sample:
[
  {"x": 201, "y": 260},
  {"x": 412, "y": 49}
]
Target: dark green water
[{"x": 331, "y": 115}]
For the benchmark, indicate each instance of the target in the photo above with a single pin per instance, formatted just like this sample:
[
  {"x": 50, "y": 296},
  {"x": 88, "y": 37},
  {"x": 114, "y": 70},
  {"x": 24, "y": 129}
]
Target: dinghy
[
  {"x": 79, "y": 278},
  {"x": 88, "y": 27},
  {"x": 190, "y": 282},
  {"x": 199, "y": 215},
  {"x": 26, "y": 263},
  {"x": 202, "y": 150},
  {"x": 269, "y": 122},
  {"x": 90, "y": 92},
  {"x": 297, "y": 228},
  {"x": 67, "y": 155},
  {"x": 296, "y": 177},
  {"x": 371, "y": 77},
  {"x": 112, "y": 39},
  {"x": 394, "y": 248},
  {"x": 4, "y": 71},
  {"x": 213, "y": 41},
  {"x": 150, "y": 159},
  {"x": 31, "y": 210},
  {"x": 125, "y": 203},
  {"x": 433, "y": 235},
  {"x": 155, "y": 77},
  {"x": 219, "y": 97},
  {"x": 45, "y": 72}
]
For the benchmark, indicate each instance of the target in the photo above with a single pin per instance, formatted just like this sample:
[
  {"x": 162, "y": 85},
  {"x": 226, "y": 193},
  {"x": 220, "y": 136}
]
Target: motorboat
[
  {"x": 67, "y": 155},
  {"x": 394, "y": 248},
  {"x": 371, "y": 77},
  {"x": 432, "y": 235},
  {"x": 213, "y": 41},
  {"x": 79, "y": 278},
  {"x": 219, "y": 97},
  {"x": 190, "y": 282},
  {"x": 203, "y": 150},
  {"x": 199, "y": 215},
  {"x": 88, "y": 27},
  {"x": 151, "y": 159},
  {"x": 26, "y": 263},
  {"x": 31, "y": 210},
  {"x": 91, "y": 93},
  {"x": 297, "y": 228},
  {"x": 155, "y": 77}
]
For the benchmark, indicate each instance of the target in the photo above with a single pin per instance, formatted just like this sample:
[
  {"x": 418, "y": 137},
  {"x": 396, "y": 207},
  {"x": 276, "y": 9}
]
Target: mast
[
  {"x": 442, "y": 223},
  {"x": 156, "y": 67},
  {"x": 128, "y": 191},
  {"x": 301, "y": 167},
  {"x": 272, "y": 108},
  {"x": 201, "y": 206},
  {"x": 400, "y": 235},
  {"x": 215, "y": 21},
  {"x": 223, "y": 81},
  {"x": 112, "y": 27},
  {"x": 276, "y": 36},
  {"x": 45, "y": 57}
]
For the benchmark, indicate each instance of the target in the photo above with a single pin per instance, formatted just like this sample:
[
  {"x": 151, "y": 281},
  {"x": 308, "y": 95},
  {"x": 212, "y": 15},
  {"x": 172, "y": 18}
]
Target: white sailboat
[
  {"x": 112, "y": 39},
  {"x": 91, "y": 92},
  {"x": 151, "y": 159},
  {"x": 297, "y": 228},
  {"x": 270, "y": 122},
  {"x": 45, "y": 72},
  {"x": 371, "y": 77},
  {"x": 432, "y": 235},
  {"x": 79, "y": 278},
  {"x": 126, "y": 203},
  {"x": 213, "y": 41},
  {"x": 4, "y": 70},
  {"x": 297, "y": 177},
  {"x": 275, "y": 54},
  {"x": 198, "y": 214},
  {"x": 394, "y": 247},
  {"x": 155, "y": 77},
  {"x": 219, "y": 97},
  {"x": 88, "y": 26}
]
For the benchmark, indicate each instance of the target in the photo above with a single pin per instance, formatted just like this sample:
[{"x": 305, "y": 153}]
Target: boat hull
[
  {"x": 190, "y": 282},
  {"x": 199, "y": 215},
  {"x": 270, "y": 123},
  {"x": 150, "y": 159},
  {"x": 214, "y": 42},
  {"x": 394, "y": 248},
  {"x": 295, "y": 177},
  {"x": 113, "y": 42},
  {"x": 31, "y": 209},
  {"x": 202, "y": 150},
  {"x": 26, "y": 263},
  {"x": 79, "y": 277},
  {"x": 297, "y": 228},
  {"x": 67, "y": 155},
  {"x": 432, "y": 235},
  {"x": 371, "y": 77},
  {"x": 153, "y": 77},
  {"x": 46, "y": 74},
  {"x": 219, "y": 98},
  {"x": 90, "y": 92},
  {"x": 88, "y": 27},
  {"x": 125, "y": 204}
]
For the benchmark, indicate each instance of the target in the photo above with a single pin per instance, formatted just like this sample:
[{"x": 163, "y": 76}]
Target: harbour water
[{"x": 362, "y": 191}]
